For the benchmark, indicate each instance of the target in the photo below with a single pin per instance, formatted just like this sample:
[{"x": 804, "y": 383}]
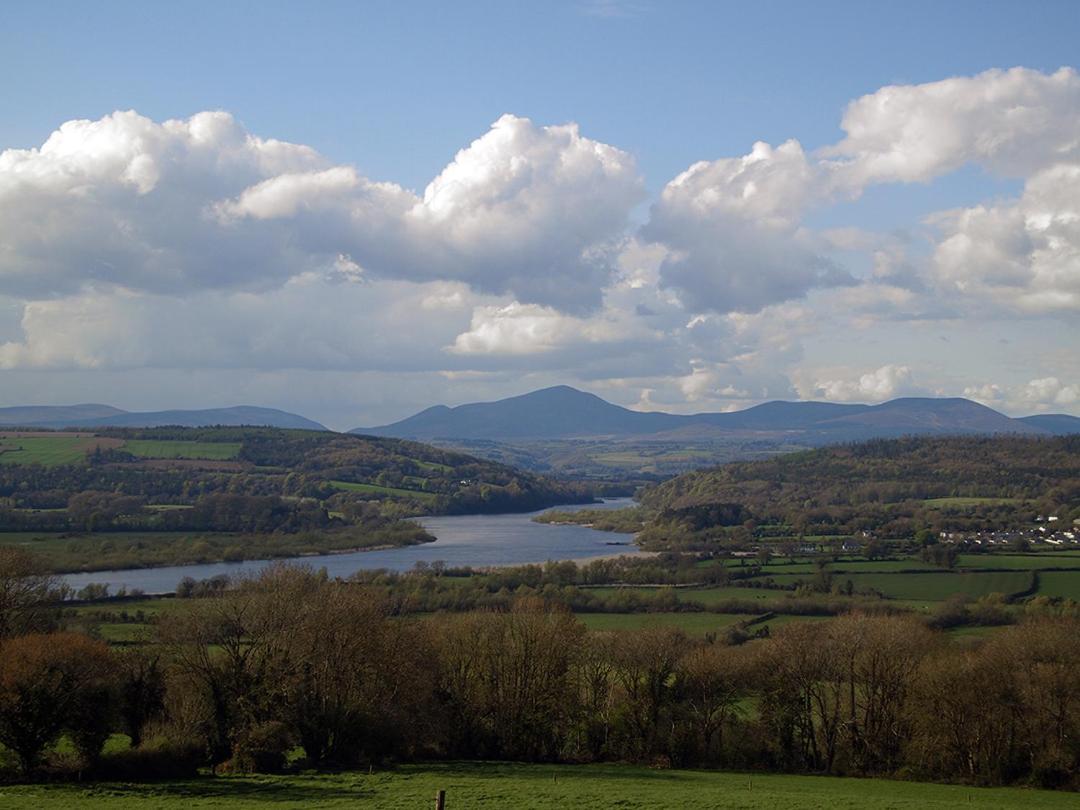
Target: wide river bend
[{"x": 473, "y": 540}]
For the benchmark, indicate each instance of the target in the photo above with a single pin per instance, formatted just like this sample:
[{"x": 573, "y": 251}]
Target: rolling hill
[
  {"x": 1057, "y": 423},
  {"x": 94, "y": 416},
  {"x": 562, "y": 413}
]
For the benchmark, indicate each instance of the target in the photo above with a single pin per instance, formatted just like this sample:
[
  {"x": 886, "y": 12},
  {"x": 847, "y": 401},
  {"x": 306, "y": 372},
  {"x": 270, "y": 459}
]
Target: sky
[{"x": 357, "y": 210}]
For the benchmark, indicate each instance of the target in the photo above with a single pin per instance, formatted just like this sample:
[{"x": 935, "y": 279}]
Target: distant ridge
[
  {"x": 560, "y": 412},
  {"x": 563, "y": 412},
  {"x": 1059, "y": 424},
  {"x": 38, "y": 415},
  {"x": 92, "y": 416}
]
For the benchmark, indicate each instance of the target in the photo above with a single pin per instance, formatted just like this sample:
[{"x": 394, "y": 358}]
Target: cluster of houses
[{"x": 1048, "y": 529}]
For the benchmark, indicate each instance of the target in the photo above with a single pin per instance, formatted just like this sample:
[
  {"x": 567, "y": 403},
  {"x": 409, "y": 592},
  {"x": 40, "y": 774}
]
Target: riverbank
[{"x": 474, "y": 541}]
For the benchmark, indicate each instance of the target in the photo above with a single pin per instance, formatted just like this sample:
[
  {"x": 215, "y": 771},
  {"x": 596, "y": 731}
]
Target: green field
[
  {"x": 61, "y": 449},
  {"x": 935, "y": 587},
  {"x": 847, "y": 566},
  {"x": 918, "y": 586},
  {"x": 883, "y": 577},
  {"x": 969, "y": 501},
  {"x": 211, "y": 451},
  {"x": 50, "y": 451},
  {"x": 490, "y": 785},
  {"x": 637, "y": 459},
  {"x": 431, "y": 465},
  {"x": 1021, "y": 562},
  {"x": 150, "y": 606},
  {"x": 704, "y": 596},
  {"x": 694, "y": 624},
  {"x": 349, "y": 486},
  {"x": 1060, "y": 583}
]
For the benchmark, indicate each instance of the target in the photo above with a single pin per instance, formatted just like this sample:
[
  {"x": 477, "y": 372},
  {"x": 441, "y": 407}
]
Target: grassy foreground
[{"x": 472, "y": 785}]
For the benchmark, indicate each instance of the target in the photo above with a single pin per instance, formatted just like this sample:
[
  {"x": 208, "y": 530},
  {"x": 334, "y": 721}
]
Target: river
[{"x": 473, "y": 540}]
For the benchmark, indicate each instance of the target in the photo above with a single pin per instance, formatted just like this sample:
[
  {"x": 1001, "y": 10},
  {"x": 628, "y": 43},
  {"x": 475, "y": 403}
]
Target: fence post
[{"x": 440, "y": 800}]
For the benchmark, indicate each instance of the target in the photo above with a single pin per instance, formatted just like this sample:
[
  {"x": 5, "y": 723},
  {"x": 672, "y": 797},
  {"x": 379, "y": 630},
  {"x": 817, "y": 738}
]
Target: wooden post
[{"x": 440, "y": 800}]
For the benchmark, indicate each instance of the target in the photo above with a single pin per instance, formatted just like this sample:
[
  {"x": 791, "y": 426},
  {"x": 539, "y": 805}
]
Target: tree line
[
  {"x": 885, "y": 487},
  {"x": 293, "y": 663}
]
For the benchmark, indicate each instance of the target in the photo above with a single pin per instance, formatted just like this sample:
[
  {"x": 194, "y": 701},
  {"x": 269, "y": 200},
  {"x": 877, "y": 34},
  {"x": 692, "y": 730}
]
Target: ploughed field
[{"x": 498, "y": 785}]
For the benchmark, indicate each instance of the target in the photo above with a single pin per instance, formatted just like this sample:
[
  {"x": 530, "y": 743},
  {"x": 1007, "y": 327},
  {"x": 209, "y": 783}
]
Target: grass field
[
  {"x": 1060, "y": 583},
  {"x": 848, "y": 566},
  {"x": 490, "y": 785},
  {"x": 1021, "y": 562},
  {"x": 210, "y": 451},
  {"x": 961, "y": 502},
  {"x": 349, "y": 486},
  {"x": 431, "y": 465},
  {"x": 928, "y": 586},
  {"x": 934, "y": 587},
  {"x": 47, "y": 450},
  {"x": 694, "y": 624},
  {"x": 705, "y": 596}
]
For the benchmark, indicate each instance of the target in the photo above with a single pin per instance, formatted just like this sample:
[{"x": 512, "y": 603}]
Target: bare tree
[{"x": 26, "y": 591}]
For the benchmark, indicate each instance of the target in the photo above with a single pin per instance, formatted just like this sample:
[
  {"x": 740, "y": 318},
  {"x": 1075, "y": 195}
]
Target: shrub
[
  {"x": 158, "y": 758},
  {"x": 263, "y": 748}
]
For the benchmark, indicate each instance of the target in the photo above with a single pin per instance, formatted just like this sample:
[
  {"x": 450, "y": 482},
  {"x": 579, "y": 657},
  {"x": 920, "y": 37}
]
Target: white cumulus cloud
[
  {"x": 200, "y": 203},
  {"x": 883, "y": 383}
]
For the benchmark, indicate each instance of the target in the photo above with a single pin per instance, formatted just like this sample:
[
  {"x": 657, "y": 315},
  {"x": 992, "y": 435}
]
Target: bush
[
  {"x": 159, "y": 758},
  {"x": 262, "y": 749}
]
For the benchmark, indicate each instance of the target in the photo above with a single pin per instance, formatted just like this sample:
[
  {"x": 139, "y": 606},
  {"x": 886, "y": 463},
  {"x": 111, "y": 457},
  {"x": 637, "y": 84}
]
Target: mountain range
[
  {"x": 96, "y": 416},
  {"x": 562, "y": 412}
]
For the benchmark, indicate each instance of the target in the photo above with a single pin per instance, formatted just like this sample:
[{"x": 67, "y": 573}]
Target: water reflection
[{"x": 474, "y": 540}]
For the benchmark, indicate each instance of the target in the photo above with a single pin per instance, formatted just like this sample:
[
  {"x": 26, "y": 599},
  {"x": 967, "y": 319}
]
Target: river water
[{"x": 474, "y": 540}]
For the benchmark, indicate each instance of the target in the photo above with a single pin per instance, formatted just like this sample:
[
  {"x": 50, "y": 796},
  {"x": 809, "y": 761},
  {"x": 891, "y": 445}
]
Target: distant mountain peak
[{"x": 564, "y": 412}]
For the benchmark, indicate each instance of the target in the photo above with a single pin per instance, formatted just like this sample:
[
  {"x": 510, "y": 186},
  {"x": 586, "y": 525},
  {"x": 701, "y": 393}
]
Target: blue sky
[
  {"x": 394, "y": 90},
  {"x": 398, "y": 87}
]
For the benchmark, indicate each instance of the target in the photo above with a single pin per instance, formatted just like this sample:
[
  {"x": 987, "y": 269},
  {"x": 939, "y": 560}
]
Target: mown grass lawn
[{"x": 487, "y": 785}]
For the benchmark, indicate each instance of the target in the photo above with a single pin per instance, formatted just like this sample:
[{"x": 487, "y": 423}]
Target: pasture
[
  {"x": 497, "y": 785},
  {"x": 704, "y": 596},
  {"x": 931, "y": 586},
  {"x": 962, "y": 502},
  {"x": 1022, "y": 562},
  {"x": 207, "y": 451},
  {"x": 71, "y": 448},
  {"x": 693, "y": 624},
  {"x": 1064, "y": 584},
  {"x": 375, "y": 489},
  {"x": 49, "y": 451}
]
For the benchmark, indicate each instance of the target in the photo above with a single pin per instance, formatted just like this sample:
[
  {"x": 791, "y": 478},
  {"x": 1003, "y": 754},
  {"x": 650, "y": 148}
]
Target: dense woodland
[
  {"x": 885, "y": 488},
  {"x": 292, "y": 664}
]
